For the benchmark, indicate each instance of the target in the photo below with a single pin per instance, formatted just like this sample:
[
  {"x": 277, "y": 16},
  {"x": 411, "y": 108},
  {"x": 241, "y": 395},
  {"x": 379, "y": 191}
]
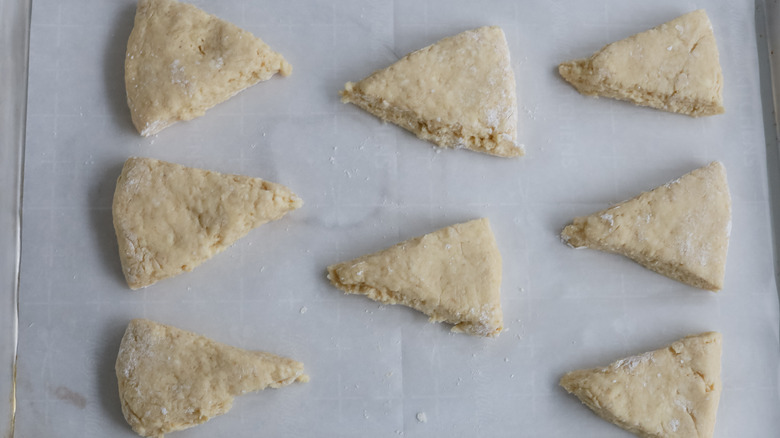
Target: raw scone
[
  {"x": 680, "y": 229},
  {"x": 169, "y": 218},
  {"x": 673, "y": 67},
  {"x": 459, "y": 92},
  {"x": 671, "y": 392},
  {"x": 181, "y": 61},
  {"x": 171, "y": 379},
  {"x": 452, "y": 275}
]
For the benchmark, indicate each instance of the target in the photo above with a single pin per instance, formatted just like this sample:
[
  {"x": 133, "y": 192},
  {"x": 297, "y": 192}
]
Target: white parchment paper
[{"x": 384, "y": 371}]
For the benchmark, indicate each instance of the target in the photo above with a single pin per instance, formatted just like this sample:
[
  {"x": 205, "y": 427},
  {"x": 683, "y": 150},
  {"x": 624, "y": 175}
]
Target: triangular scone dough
[
  {"x": 452, "y": 275},
  {"x": 671, "y": 392},
  {"x": 181, "y": 61},
  {"x": 680, "y": 229},
  {"x": 171, "y": 379},
  {"x": 673, "y": 67},
  {"x": 459, "y": 92},
  {"x": 170, "y": 218}
]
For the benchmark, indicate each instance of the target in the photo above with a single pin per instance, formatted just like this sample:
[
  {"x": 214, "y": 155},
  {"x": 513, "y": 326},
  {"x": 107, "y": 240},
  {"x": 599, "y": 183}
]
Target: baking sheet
[
  {"x": 378, "y": 370},
  {"x": 14, "y": 32}
]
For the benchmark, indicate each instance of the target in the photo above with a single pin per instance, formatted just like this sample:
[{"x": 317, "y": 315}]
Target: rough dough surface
[
  {"x": 171, "y": 379},
  {"x": 181, "y": 61},
  {"x": 673, "y": 67},
  {"x": 458, "y": 92},
  {"x": 671, "y": 392},
  {"x": 452, "y": 275},
  {"x": 680, "y": 230},
  {"x": 169, "y": 218}
]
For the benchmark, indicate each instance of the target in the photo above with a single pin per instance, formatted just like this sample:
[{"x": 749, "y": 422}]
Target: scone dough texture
[
  {"x": 452, "y": 275},
  {"x": 666, "y": 393},
  {"x": 181, "y": 61},
  {"x": 673, "y": 67},
  {"x": 458, "y": 92},
  {"x": 171, "y": 379},
  {"x": 680, "y": 230},
  {"x": 170, "y": 218}
]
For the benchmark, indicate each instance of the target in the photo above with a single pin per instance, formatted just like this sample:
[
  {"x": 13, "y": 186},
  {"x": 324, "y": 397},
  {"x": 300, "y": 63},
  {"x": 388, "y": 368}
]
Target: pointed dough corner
[
  {"x": 181, "y": 61},
  {"x": 670, "y": 392},
  {"x": 451, "y": 275},
  {"x": 673, "y": 67},
  {"x": 170, "y": 379},
  {"x": 170, "y": 218},
  {"x": 680, "y": 230},
  {"x": 458, "y": 92}
]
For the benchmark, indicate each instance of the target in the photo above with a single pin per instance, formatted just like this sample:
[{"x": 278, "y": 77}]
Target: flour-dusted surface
[
  {"x": 456, "y": 93},
  {"x": 368, "y": 186},
  {"x": 452, "y": 275},
  {"x": 175, "y": 65},
  {"x": 673, "y": 67},
  {"x": 171, "y": 379},
  {"x": 170, "y": 218},
  {"x": 680, "y": 229},
  {"x": 670, "y": 392}
]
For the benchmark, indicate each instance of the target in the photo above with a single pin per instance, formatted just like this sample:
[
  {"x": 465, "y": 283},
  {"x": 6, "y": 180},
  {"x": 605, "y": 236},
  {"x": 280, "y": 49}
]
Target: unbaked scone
[
  {"x": 671, "y": 392},
  {"x": 171, "y": 379},
  {"x": 170, "y": 218},
  {"x": 673, "y": 67},
  {"x": 680, "y": 229},
  {"x": 451, "y": 275},
  {"x": 458, "y": 92},
  {"x": 181, "y": 61}
]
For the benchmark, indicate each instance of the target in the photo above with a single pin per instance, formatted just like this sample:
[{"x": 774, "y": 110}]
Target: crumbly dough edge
[
  {"x": 574, "y": 236},
  {"x": 441, "y": 134},
  {"x": 478, "y": 327},
  {"x": 574, "y": 71}
]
